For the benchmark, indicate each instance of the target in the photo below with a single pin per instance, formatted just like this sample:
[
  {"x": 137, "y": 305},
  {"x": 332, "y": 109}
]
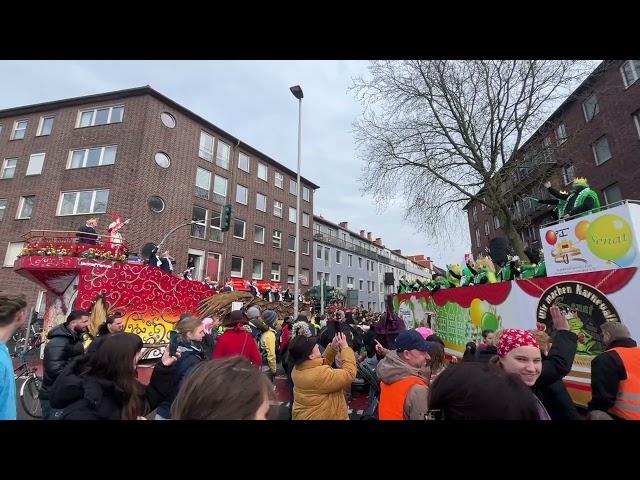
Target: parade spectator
[
  {"x": 13, "y": 314},
  {"x": 285, "y": 335},
  {"x": 488, "y": 338},
  {"x": 236, "y": 340},
  {"x": 254, "y": 289},
  {"x": 404, "y": 377},
  {"x": 318, "y": 388},
  {"x": 438, "y": 361},
  {"x": 424, "y": 331},
  {"x": 229, "y": 389},
  {"x": 615, "y": 376},
  {"x": 192, "y": 353},
  {"x": 114, "y": 324},
  {"x": 87, "y": 233},
  {"x": 103, "y": 386},
  {"x": 388, "y": 328},
  {"x": 474, "y": 391},
  {"x": 64, "y": 344},
  {"x": 267, "y": 344},
  {"x": 210, "y": 326},
  {"x": 469, "y": 352}
]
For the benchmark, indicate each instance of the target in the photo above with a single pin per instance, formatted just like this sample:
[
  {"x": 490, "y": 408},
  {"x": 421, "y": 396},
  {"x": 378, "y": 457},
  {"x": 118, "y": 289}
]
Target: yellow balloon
[
  {"x": 476, "y": 311},
  {"x": 609, "y": 237},
  {"x": 581, "y": 230}
]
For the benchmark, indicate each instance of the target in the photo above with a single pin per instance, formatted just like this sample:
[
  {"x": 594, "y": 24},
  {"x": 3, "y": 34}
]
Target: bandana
[{"x": 512, "y": 338}]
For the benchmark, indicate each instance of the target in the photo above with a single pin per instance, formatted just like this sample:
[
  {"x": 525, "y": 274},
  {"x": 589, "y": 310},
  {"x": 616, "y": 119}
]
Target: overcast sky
[{"x": 251, "y": 100}]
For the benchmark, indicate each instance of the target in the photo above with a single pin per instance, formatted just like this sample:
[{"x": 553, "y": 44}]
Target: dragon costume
[
  {"x": 487, "y": 271},
  {"x": 581, "y": 201}
]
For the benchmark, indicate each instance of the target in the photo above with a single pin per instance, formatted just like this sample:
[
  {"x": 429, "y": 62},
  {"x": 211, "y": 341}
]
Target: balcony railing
[
  {"x": 69, "y": 244},
  {"x": 352, "y": 247}
]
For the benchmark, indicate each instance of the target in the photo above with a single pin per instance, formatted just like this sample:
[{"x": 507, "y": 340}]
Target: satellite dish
[{"x": 147, "y": 248}]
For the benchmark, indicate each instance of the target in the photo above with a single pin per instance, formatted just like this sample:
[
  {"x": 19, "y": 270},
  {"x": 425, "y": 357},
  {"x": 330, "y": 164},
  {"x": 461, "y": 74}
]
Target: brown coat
[{"x": 318, "y": 390}]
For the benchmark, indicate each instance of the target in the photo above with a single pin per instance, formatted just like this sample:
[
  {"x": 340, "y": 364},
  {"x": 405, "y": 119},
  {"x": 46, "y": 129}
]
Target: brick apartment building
[
  {"x": 595, "y": 134},
  {"x": 139, "y": 153}
]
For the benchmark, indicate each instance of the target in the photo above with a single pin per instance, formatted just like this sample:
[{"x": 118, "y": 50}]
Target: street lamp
[{"x": 297, "y": 92}]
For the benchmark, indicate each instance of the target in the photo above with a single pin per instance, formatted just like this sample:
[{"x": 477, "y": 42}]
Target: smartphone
[{"x": 173, "y": 342}]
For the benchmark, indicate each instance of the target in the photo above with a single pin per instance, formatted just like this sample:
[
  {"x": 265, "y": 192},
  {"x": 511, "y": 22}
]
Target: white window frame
[
  {"x": 208, "y": 189},
  {"x": 19, "y": 215},
  {"x": 305, "y": 250},
  {"x": 3, "y": 208},
  {"x": 75, "y": 206},
  {"x": 584, "y": 108},
  {"x": 244, "y": 229},
  {"x": 226, "y": 186},
  {"x": 604, "y": 192},
  {"x": 635, "y": 72},
  {"x": 39, "y": 172},
  {"x": 264, "y": 234},
  {"x": 265, "y": 169},
  {"x": 253, "y": 269},
  {"x": 258, "y": 195},
  {"x": 246, "y": 196},
  {"x": 319, "y": 250},
  {"x": 636, "y": 119},
  {"x": 242, "y": 155},
  {"x": 338, "y": 281},
  {"x": 277, "y": 208},
  {"x": 561, "y": 129},
  {"x": 350, "y": 283},
  {"x": 277, "y": 235},
  {"x": 11, "y": 248},
  {"x": 5, "y": 168},
  {"x": 487, "y": 229},
  {"x": 293, "y": 185},
  {"x": 41, "y": 125},
  {"x": 478, "y": 237},
  {"x": 565, "y": 170},
  {"x": 15, "y": 129},
  {"x": 223, "y": 162},
  {"x": 496, "y": 222},
  {"x": 295, "y": 219},
  {"x": 278, "y": 178},
  {"x": 215, "y": 228},
  {"x": 305, "y": 219},
  {"x": 338, "y": 256},
  {"x": 295, "y": 242},
  {"x": 235, "y": 274},
  {"x": 202, "y": 151},
  {"x": 349, "y": 260},
  {"x": 361, "y": 284},
  {"x": 203, "y": 224},
  {"x": 275, "y": 274},
  {"x": 85, "y": 157},
  {"x": 93, "y": 116},
  {"x": 306, "y": 194},
  {"x": 595, "y": 151}
]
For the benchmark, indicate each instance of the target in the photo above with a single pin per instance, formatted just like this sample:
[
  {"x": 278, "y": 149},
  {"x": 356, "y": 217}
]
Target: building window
[
  {"x": 305, "y": 276},
  {"x": 199, "y": 229},
  {"x": 630, "y": 72},
  {"x": 636, "y": 119},
  {"x": 278, "y": 180},
  {"x": 590, "y": 107},
  {"x": 327, "y": 278},
  {"x": 239, "y": 227},
  {"x": 327, "y": 256},
  {"x": 100, "y": 116},
  {"x": 475, "y": 214},
  {"x": 561, "y": 134},
  {"x": 359, "y": 262},
  {"x": 263, "y": 172},
  {"x": 486, "y": 228},
  {"x": 338, "y": 256},
  {"x": 257, "y": 270},
  {"x": 92, "y": 157},
  {"x": 306, "y": 194},
  {"x": 244, "y": 162},
  {"x": 205, "y": 149},
  {"x": 277, "y": 208},
  {"x": 276, "y": 239},
  {"x": 155, "y": 204},
  {"x": 19, "y": 129},
  {"x": 36, "y": 161},
  {"x": 292, "y": 215},
  {"x": 612, "y": 194},
  {"x": 82, "y": 202},
  {"x": 496, "y": 222},
  {"x": 13, "y": 250},
  {"x": 236, "y": 266},
  {"x": 305, "y": 247},
  {"x": 373, "y": 286},
  {"x": 203, "y": 183},
  {"x": 261, "y": 202},
  {"x": 601, "y": 150},
  {"x": 45, "y": 126},
  {"x": 25, "y": 208},
  {"x": 275, "y": 272},
  {"x": 242, "y": 194},
  {"x": 291, "y": 272},
  {"x": 361, "y": 285},
  {"x": 168, "y": 120},
  {"x": 219, "y": 189},
  {"x": 222, "y": 155},
  {"x": 350, "y": 260},
  {"x": 305, "y": 219},
  {"x": 338, "y": 281},
  {"x": 349, "y": 282},
  {"x": 292, "y": 243},
  {"x": 215, "y": 234},
  {"x": 162, "y": 159},
  {"x": 293, "y": 187},
  {"x": 367, "y": 265},
  {"x": 3, "y": 208},
  {"x": 258, "y": 234},
  {"x": 482, "y": 207},
  {"x": 319, "y": 252},
  {"x": 478, "y": 238},
  {"x": 318, "y": 278}
]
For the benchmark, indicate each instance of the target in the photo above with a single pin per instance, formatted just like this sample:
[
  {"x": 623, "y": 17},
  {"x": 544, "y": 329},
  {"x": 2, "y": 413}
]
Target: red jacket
[
  {"x": 286, "y": 336},
  {"x": 231, "y": 343}
]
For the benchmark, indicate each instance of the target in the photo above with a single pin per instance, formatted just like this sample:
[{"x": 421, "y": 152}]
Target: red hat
[{"x": 512, "y": 338}]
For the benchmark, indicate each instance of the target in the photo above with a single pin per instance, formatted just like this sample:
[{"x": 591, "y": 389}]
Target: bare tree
[{"x": 441, "y": 133}]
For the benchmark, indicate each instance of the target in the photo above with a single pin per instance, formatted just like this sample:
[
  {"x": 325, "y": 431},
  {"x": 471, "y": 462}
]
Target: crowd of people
[{"x": 224, "y": 368}]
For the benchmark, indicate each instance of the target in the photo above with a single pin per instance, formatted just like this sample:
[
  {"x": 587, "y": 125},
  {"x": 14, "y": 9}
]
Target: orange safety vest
[
  {"x": 393, "y": 396},
  {"x": 627, "y": 404}
]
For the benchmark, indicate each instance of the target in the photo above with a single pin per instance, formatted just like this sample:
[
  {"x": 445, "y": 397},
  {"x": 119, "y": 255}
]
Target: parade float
[{"x": 591, "y": 273}]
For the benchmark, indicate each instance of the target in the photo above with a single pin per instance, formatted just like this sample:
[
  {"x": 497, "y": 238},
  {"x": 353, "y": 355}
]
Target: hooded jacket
[
  {"x": 63, "y": 346},
  {"x": 392, "y": 369}
]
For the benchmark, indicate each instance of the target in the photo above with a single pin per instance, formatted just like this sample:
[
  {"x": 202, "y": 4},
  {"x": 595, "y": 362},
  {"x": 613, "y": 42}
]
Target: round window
[
  {"x": 168, "y": 120},
  {"x": 156, "y": 204},
  {"x": 162, "y": 159}
]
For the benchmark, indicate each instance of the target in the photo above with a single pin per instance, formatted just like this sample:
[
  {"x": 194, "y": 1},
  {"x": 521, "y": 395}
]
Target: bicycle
[
  {"x": 34, "y": 338},
  {"x": 30, "y": 389}
]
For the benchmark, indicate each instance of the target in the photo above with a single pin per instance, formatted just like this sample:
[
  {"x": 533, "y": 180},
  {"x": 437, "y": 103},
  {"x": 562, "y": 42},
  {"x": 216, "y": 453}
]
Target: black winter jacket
[{"x": 62, "y": 347}]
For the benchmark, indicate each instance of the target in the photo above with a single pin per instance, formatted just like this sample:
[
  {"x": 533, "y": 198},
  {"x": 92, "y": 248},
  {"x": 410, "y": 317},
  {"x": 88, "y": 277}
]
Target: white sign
[{"x": 604, "y": 240}]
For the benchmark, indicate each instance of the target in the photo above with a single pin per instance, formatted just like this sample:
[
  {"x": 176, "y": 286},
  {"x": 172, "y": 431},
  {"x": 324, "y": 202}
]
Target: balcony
[
  {"x": 357, "y": 249},
  {"x": 66, "y": 244}
]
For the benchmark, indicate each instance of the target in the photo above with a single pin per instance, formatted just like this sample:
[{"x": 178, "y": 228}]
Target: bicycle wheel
[
  {"x": 30, "y": 396},
  {"x": 18, "y": 347}
]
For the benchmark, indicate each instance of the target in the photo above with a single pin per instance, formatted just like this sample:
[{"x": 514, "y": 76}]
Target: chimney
[
  {"x": 344, "y": 225},
  {"x": 369, "y": 237},
  {"x": 362, "y": 233},
  {"x": 399, "y": 252},
  {"x": 429, "y": 258},
  {"x": 378, "y": 241}
]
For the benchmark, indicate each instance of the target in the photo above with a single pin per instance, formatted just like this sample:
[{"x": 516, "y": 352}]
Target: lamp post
[{"x": 297, "y": 92}]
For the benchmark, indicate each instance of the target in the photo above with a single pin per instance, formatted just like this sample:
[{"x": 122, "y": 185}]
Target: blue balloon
[{"x": 628, "y": 259}]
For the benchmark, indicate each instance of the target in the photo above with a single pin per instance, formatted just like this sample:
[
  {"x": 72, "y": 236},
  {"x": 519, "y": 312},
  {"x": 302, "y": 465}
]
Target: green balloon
[{"x": 489, "y": 322}]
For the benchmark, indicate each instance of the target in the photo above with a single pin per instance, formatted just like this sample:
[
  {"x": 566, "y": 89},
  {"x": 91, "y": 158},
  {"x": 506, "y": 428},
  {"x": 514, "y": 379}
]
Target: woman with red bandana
[{"x": 115, "y": 237}]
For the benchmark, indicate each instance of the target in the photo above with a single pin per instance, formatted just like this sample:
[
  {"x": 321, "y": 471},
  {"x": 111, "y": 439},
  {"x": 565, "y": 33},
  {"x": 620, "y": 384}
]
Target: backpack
[{"x": 262, "y": 348}]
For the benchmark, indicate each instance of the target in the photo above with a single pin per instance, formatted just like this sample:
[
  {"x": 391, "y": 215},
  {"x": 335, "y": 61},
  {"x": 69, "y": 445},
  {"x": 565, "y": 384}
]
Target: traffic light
[{"x": 225, "y": 219}]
